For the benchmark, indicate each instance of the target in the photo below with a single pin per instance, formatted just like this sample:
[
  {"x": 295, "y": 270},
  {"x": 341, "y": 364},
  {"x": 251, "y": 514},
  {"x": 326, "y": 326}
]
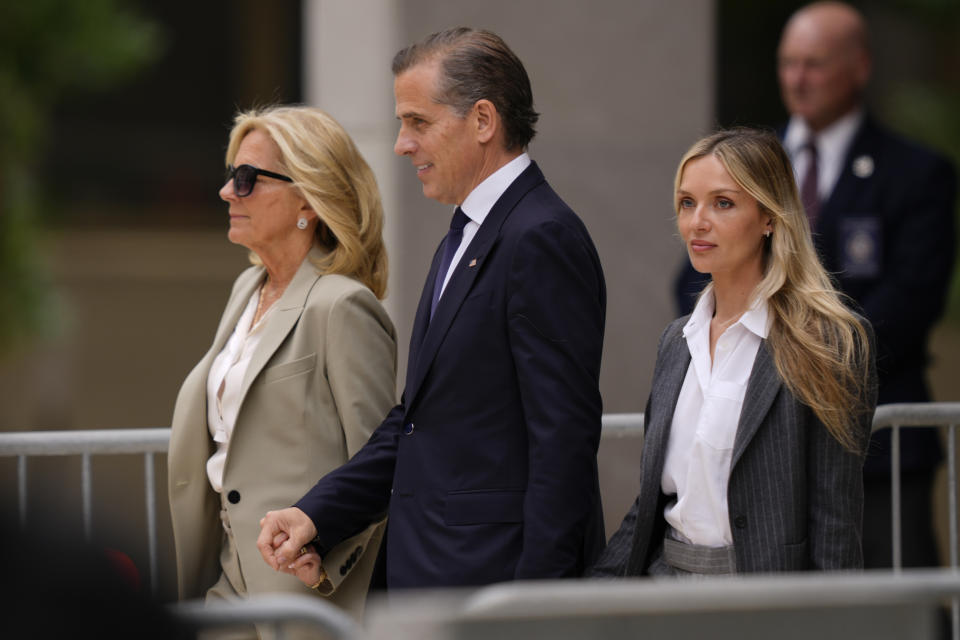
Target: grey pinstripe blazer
[{"x": 795, "y": 496}]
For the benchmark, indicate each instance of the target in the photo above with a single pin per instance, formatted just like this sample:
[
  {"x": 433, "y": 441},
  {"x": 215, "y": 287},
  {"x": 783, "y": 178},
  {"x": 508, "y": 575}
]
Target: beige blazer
[{"x": 322, "y": 378}]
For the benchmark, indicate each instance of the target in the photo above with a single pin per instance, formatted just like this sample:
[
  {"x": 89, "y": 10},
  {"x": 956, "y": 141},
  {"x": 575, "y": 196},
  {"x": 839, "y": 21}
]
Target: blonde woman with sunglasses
[{"x": 302, "y": 366}]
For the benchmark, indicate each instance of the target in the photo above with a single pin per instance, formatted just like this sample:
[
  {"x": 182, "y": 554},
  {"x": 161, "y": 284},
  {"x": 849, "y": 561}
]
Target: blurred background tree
[{"x": 49, "y": 49}]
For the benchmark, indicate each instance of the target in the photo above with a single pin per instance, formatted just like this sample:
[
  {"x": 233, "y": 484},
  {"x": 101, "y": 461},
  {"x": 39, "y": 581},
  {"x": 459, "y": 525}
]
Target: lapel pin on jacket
[
  {"x": 473, "y": 263},
  {"x": 863, "y": 166}
]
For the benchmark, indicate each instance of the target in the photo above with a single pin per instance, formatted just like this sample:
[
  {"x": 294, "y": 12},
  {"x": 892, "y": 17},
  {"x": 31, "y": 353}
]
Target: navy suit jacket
[
  {"x": 487, "y": 467},
  {"x": 886, "y": 234}
]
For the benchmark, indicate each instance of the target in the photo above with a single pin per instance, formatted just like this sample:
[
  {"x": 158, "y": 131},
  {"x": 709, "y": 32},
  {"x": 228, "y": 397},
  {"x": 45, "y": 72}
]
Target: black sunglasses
[{"x": 245, "y": 176}]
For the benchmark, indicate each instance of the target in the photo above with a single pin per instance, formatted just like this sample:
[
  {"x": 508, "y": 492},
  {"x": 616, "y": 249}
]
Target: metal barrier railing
[
  {"x": 896, "y": 416},
  {"x": 941, "y": 414},
  {"x": 274, "y": 610},
  {"x": 149, "y": 442},
  {"x": 693, "y": 608}
]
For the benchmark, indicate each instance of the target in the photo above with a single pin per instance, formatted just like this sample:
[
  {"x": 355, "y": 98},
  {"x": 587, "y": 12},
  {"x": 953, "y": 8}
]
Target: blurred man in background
[{"x": 881, "y": 209}]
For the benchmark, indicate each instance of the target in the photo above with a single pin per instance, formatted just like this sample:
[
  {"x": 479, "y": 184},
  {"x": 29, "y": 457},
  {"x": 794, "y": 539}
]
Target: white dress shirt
[
  {"x": 832, "y": 145},
  {"x": 700, "y": 448},
  {"x": 224, "y": 383},
  {"x": 478, "y": 203}
]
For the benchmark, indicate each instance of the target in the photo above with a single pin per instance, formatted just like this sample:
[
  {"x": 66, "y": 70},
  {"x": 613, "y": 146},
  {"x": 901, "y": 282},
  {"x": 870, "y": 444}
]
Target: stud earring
[
  {"x": 767, "y": 233},
  {"x": 302, "y": 223}
]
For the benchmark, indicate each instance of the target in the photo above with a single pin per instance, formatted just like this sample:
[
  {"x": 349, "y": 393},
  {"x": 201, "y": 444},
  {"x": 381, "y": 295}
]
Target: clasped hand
[{"x": 284, "y": 543}]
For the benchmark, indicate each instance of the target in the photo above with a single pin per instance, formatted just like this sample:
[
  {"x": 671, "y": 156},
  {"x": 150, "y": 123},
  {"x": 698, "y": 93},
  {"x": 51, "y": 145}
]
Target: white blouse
[
  {"x": 700, "y": 448},
  {"x": 224, "y": 384}
]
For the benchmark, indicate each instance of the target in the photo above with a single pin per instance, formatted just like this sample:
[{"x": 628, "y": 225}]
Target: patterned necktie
[
  {"x": 809, "y": 192},
  {"x": 450, "y": 245}
]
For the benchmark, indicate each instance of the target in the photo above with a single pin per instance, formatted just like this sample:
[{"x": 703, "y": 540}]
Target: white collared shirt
[
  {"x": 700, "y": 449},
  {"x": 833, "y": 143},
  {"x": 478, "y": 203},
  {"x": 224, "y": 383}
]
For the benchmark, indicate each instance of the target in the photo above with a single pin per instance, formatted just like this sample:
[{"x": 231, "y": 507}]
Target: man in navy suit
[
  {"x": 882, "y": 213},
  {"x": 487, "y": 467}
]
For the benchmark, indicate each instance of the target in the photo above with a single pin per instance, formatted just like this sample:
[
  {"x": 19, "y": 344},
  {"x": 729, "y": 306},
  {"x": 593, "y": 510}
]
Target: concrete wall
[{"x": 623, "y": 88}]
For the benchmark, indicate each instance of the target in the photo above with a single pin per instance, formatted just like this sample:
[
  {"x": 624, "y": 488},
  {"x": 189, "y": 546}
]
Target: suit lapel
[
  {"x": 849, "y": 186},
  {"x": 664, "y": 393},
  {"x": 673, "y": 360},
  {"x": 462, "y": 279},
  {"x": 421, "y": 320},
  {"x": 193, "y": 444},
  {"x": 231, "y": 315},
  {"x": 282, "y": 320},
  {"x": 762, "y": 388}
]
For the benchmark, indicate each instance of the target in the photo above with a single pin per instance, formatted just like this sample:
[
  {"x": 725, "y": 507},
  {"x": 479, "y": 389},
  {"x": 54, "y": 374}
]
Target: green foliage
[
  {"x": 929, "y": 113},
  {"x": 49, "y": 48}
]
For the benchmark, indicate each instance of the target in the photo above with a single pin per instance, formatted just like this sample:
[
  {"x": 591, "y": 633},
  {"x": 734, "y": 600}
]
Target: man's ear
[{"x": 487, "y": 120}]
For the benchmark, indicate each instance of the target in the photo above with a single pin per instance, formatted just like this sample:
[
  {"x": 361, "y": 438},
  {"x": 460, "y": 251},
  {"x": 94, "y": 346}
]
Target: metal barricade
[
  {"x": 86, "y": 444},
  {"x": 876, "y": 604},
  {"x": 149, "y": 442},
  {"x": 275, "y": 610},
  {"x": 931, "y": 414}
]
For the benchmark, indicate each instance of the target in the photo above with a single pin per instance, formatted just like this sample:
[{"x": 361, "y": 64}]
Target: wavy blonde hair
[
  {"x": 820, "y": 348},
  {"x": 335, "y": 180}
]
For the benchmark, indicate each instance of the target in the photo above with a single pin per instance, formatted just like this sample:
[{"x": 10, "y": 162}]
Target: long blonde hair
[
  {"x": 334, "y": 179},
  {"x": 820, "y": 348}
]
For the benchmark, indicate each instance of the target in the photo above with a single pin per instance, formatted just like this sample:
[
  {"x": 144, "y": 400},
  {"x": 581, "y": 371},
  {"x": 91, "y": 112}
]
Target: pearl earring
[{"x": 302, "y": 223}]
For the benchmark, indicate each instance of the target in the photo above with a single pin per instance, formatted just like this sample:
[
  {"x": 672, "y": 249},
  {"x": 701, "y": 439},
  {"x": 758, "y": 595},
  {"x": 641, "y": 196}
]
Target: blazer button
[
  {"x": 740, "y": 522},
  {"x": 233, "y": 496},
  {"x": 408, "y": 428}
]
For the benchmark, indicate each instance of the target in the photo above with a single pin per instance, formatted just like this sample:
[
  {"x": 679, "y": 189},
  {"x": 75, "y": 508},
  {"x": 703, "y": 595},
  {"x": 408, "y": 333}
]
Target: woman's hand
[
  {"x": 308, "y": 567},
  {"x": 282, "y": 533}
]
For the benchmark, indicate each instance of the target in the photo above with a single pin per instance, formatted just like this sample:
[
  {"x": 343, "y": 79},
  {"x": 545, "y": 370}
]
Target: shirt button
[
  {"x": 740, "y": 522},
  {"x": 233, "y": 496},
  {"x": 408, "y": 428}
]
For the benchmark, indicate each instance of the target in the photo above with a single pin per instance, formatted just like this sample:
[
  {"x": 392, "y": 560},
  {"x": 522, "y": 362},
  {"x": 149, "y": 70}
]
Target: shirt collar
[
  {"x": 755, "y": 319},
  {"x": 478, "y": 204},
  {"x": 833, "y": 140}
]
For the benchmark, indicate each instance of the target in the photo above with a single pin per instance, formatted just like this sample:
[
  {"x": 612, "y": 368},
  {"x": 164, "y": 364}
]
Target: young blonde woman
[
  {"x": 762, "y": 398},
  {"x": 303, "y": 364}
]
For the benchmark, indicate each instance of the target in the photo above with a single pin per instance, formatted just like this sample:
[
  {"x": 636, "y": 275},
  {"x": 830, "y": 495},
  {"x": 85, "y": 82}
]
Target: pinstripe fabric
[
  {"x": 697, "y": 558},
  {"x": 795, "y": 495}
]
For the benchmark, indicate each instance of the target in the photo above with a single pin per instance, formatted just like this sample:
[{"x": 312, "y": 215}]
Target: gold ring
[{"x": 303, "y": 550}]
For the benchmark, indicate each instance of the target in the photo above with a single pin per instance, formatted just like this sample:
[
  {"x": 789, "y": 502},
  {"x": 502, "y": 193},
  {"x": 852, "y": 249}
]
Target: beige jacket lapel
[
  {"x": 236, "y": 305},
  {"x": 283, "y": 318}
]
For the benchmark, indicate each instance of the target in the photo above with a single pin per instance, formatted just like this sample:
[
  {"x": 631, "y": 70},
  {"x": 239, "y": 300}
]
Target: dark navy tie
[
  {"x": 450, "y": 245},
  {"x": 809, "y": 192}
]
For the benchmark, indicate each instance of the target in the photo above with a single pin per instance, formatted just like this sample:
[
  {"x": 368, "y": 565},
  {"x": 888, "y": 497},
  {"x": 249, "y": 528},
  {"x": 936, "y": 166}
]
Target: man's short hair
[{"x": 476, "y": 65}]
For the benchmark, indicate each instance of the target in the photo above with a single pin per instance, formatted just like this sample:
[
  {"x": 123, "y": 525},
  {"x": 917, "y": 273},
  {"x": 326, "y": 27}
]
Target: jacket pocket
[
  {"x": 484, "y": 506},
  {"x": 292, "y": 368},
  {"x": 795, "y": 557}
]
